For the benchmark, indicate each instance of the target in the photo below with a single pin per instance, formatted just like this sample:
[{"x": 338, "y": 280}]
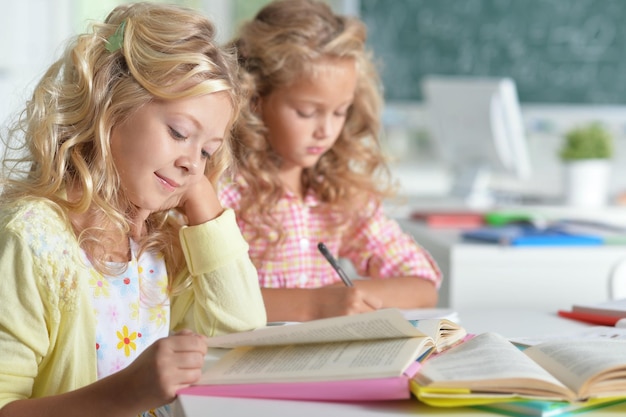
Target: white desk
[
  {"x": 493, "y": 276},
  {"x": 510, "y": 323}
]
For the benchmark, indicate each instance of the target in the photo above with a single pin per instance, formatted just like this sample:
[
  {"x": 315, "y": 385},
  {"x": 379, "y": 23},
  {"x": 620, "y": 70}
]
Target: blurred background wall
[{"x": 566, "y": 57}]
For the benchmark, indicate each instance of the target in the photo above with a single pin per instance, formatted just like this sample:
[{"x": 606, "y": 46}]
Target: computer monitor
[{"x": 477, "y": 125}]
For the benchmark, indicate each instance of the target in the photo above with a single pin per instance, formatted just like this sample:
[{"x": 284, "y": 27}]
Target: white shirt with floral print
[{"x": 132, "y": 311}]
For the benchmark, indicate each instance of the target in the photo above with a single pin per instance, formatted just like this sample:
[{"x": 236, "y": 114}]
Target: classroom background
[{"x": 567, "y": 58}]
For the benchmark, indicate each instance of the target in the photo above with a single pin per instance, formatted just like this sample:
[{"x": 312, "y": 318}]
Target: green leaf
[{"x": 116, "y": 40}]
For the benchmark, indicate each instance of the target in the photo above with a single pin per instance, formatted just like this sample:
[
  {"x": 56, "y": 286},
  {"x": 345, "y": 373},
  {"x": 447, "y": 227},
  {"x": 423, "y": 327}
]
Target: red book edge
[
  {"x": 600, "y": 319},
  {"x": 444, "y": 219}
]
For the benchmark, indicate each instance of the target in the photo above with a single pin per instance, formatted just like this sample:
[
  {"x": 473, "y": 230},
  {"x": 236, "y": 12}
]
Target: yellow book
[{"x": 488, "y": 368}]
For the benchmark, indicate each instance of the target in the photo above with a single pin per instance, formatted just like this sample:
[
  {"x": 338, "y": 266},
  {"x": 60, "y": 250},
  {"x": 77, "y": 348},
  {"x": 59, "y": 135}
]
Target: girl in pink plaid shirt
[{"x": 311, "y": 169}]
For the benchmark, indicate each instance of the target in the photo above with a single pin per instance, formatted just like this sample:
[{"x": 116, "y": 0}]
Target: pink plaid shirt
[{"x": 377, "y": 247}]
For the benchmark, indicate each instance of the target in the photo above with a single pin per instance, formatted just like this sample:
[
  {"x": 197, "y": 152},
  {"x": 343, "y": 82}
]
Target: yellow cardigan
[{"x": 47, "y": 324}]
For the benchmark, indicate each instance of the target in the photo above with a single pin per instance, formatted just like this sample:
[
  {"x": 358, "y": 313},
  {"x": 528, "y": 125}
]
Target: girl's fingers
[{"x": 186, "y": 340}]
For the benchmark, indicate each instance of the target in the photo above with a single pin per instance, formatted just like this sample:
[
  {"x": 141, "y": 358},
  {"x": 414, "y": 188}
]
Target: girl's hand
[
  {"x": 168, "y": 365},
  {"x": 200, "y": 203},
  {"x": 339, "y": 300},
  {"x": 304, "y": 304}
]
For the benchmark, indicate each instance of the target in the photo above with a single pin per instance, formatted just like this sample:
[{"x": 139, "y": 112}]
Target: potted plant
[{"x": 586, "y": 152}]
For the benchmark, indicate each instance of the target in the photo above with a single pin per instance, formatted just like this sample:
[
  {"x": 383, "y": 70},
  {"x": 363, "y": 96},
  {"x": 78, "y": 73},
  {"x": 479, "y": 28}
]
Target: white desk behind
[
  {"x": 539, "y": 278},
  {"x": 509, "y": 322}
]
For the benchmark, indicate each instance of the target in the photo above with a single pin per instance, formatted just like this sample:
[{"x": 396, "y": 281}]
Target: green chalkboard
[{"x": 557, "y": 51}]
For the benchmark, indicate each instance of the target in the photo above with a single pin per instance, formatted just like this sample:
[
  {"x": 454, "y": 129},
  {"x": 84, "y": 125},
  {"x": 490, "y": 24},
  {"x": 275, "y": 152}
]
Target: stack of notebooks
[
  {"x": 530, "y": 235},
  {"x": 558, "y": 233},
  {"x": 523, "y": 229}
]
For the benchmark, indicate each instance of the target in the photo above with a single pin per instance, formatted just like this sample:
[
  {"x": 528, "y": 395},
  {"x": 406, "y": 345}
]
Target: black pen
[{"x": 334, "y": 264}]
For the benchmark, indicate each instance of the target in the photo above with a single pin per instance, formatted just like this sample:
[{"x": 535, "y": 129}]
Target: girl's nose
[
  {"x": 189, "y": 164},
  {"x": 324, "y": 127}
]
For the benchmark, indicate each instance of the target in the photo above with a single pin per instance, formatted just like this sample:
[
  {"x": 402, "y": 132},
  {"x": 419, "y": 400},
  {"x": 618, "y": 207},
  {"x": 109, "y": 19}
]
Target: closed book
[
  {"x": 443, "y": 219},
  {"x": 593, "y": 318},
  {"x": 529, "y": 235},
  {"x": 612, "y": 308},
  {"x": 611, "y": 234}
]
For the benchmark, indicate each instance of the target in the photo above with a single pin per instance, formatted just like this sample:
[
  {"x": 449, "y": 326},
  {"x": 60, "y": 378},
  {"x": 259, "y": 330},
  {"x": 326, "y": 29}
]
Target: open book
[
  {"x": 489, "y": 368},
  {"x": 368, "y": 356}
]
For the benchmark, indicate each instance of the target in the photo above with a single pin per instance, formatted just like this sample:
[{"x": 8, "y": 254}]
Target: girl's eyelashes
[
  {"x": 176, "y": 134},
  {"x": 179, "y": 136},
  {"x": 305, "y": 114},
  {"x": 312, "y": 113}
]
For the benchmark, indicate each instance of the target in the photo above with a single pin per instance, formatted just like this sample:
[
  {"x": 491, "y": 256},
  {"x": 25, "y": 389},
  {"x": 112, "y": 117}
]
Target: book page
[
  {"x": 575, "y": 363},
  {"x": 444, "y": 332},
  {"x": 380, "y": 324},
  {"x": 316, "y": 362},
  {"x": 489, "y": 363}
]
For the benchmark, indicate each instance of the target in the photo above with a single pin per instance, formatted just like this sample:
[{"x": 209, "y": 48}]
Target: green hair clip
[{"x": 115, "y": 41}]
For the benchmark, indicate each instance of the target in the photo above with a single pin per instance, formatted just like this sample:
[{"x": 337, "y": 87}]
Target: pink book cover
[{"x": 376, "y": 389}]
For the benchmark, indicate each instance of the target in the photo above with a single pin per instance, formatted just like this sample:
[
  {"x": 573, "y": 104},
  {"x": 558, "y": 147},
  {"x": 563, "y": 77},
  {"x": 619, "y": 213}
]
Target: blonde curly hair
[
  {"x": 62, "y": 138},
  {"x": 284, "y": 43}
]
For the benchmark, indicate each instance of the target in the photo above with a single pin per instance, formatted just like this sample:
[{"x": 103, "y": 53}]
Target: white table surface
[{"x": 510, "y": 323}]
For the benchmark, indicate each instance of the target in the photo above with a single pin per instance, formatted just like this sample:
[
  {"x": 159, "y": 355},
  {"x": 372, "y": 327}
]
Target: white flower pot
[{"x": 587, "y": 182}]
